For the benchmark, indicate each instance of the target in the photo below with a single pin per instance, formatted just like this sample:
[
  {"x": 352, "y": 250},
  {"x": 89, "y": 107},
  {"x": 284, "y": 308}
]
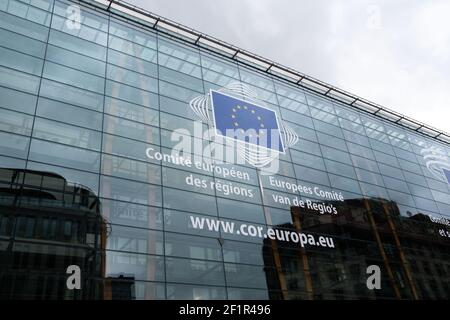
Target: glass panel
[
  {"x": 195, "y": 292},
  {"x": 82, "y": 31},
  {"x": 185, "y": 246},
  {"x": 132, "y": 49},
  {"x": 73, "y": 77},
  {"x": 131, "y": 111},
  {"x": 13, "y": 145},
  {"x": 241, "y": 252},
  {"x": 135, "y": 266},
  {"x": 132, "y": 78},
  {"x": 135, "y": 240},
  {"x": 7, "y": 162},
  {"x": 182, "y": 179},
  {"x": 247, "y": 294},
  {"x": 31, "y": 13},
  {"x": 146, "y": 39},
  {"x": 66, "y": 134},
  {"x": 312, "y": 175},
  {"x": 131, "y": 169},
  {"x": 296, "y": 118},
  {"x": 70, "y": 157},
  {"x": 307, "y": 160},
  {"x": 126, "y": 147},
  {"x": 22, "y": 26},
  {"x": 131, "y": 214},
  {"x": 290, "y": 92},
  {"x": 132, "y": 63},
  {"x": 181, "y": 222},
  {"x": 71, "y": 95},
  {"x": 88, "y": 17},
  {"x": 180, "y": 79},
  {"x": 252, "y": 276},
  {"x": 335, "y": 154},
  {"x": 176, "y": 92},
  {"x": 75, "y": 60},
  {"x": 331, "y": 141},
  {"x": 194, "y": 271},
  {"x": 130, "y": 129},
  {"x": 15, "y": 122},
  {"x": 20, "y": 61},
  {"x": 219, "y": 66},
  {"x": 85, "y": 179},
  {"x": 70, "y": 114},
  {"x": 131, "y": 94},
  {"x": 189, "y": 201},
  {"x": 344, "y": 183},
  {"x": 76, "y": 44},
  {"x": 21, "y": 43},
  {"x": 259, "y": 80},
  {"x": 179, "y": 51},
  {"x": 240, "y": 210},
  {"x": 131, "y": 191},
  {"x": 19, "y": 80},
  {"x": 340, "y": 168}
]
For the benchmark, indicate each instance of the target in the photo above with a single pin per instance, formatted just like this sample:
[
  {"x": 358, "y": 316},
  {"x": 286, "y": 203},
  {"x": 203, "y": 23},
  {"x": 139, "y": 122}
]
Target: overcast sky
[{"x": 395, "y": 53}]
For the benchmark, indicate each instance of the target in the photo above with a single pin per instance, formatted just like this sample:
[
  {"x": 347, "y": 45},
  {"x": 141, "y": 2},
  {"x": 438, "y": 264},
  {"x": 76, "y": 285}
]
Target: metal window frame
[{"x": 147, "y": 19}]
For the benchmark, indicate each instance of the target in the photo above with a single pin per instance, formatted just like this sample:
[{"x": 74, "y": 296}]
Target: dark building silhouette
[
  {"x": 120, "y": 287},
  {"x": 412, "y": 253},
  {"x": 47, "y": 224}
]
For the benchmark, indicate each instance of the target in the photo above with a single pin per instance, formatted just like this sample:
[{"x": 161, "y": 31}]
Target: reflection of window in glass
[
  {"x": 131, "y": 78},
  {"x": 15, "y": 122},
  {"x": 289, "y": 91},
  {"x": 131, "y": 191},
  {"x": 5, "y": 225},
  {"x": 67, "y": 229},
  {"x": 131, "y": 169},
  {"x": 131, "y": 129},
  {"x": 131, "y": 94},
  {"x": 66, "y": 134},
  {"x": 70, "y": 157},
  {"x": 173, "y": 91},
  {"x": 13, "y": 145},
  {"x": 73, "y": 77},
  {"x": 63, "y": 112},
  {"x": 132, "y": 49},
  {"x": 20, "y": 62},
  {"x": 147, "y": 39},
  {"x": 75, "y": 60},
  {"x": 180, "y": 78},
  {"x": 84, "y": 31},
  {"x": 18, "y": 80},
  {"x": 178, "y": 50},
  {"x": 132, "y": 63},
  {"x": 23, "y": 26},
  {"x": 72, "y": 95}
]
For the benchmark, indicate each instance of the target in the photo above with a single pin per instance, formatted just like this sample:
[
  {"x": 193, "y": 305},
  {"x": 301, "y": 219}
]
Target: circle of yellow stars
[{"x": 236, "y": 124}]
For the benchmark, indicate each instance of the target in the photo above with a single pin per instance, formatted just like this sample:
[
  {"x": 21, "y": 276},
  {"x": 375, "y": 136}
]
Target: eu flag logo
[
  {"x": 447, "y": 174},
  {"x": 245, "y": 121}
]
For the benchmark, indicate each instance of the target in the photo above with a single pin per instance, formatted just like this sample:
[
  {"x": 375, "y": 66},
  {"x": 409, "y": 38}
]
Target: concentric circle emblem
[
  {"x": 239, "y": 116},
  {"x": 437, "y": 162}
]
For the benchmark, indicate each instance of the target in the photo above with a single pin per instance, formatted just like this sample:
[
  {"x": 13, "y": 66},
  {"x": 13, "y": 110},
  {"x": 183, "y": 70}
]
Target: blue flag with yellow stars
[
  {"x": 447, "y": 174},
  {"x": 245, "y": 121}
]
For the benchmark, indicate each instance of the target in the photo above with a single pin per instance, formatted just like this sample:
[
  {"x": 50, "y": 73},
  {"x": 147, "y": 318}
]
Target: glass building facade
[{"x": 83, "y": 100}]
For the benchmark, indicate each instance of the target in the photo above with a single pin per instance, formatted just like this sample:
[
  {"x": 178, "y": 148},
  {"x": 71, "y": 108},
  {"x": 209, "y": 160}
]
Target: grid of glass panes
[{"x": 86, "y": 102}]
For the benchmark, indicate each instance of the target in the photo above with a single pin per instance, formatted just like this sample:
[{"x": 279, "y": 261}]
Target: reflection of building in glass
[
  {"x": 85, "y": 105},
  {"x": 47, "y": 224},
  {"x": 120, "y": 287},
  {"x": 411, "y": 252}
]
